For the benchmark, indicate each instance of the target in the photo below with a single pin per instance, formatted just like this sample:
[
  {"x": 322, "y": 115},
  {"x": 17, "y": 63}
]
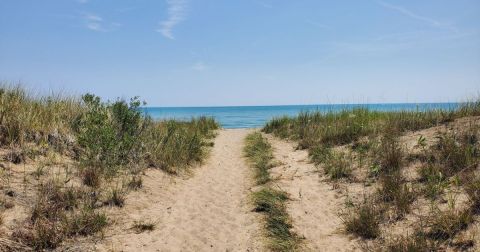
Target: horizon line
[{"x": 312, "y": 104}]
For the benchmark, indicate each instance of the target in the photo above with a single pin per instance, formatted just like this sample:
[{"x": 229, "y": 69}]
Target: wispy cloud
[
  {"x": 96, "y": 23},
  {"x": 318, "y": 25},
  {"x": 264, "y": 4},
  {"x": 200, "y": 66},
  {"x": 406, "y": 12},
  {"x": 177, "y": 12}
]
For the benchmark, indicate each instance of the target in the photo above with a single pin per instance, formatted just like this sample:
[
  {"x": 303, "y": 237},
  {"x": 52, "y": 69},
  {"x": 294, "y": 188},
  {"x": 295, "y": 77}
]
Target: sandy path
[
  {"x": 209, "y": 211},
  {"x": 314, "y": 206}
]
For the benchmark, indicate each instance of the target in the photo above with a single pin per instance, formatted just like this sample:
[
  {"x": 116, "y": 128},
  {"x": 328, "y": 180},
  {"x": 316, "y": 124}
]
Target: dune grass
[
  {"x": 338, "y": 140},
  {"x": 269, "y": 201},
  {"x": 259, "y": 152},
  {"x": 107, "y": 142},
  {"x": 363, "y": 219},
  {"x": 343, "y": 127}
]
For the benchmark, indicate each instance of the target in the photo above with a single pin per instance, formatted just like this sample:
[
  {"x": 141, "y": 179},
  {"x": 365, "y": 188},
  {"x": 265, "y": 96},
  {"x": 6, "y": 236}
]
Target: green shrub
[{"x": 111, "y": 134}]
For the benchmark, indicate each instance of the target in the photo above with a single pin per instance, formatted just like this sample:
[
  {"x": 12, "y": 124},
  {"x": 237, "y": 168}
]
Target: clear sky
[{"x": 245, "y": 52}]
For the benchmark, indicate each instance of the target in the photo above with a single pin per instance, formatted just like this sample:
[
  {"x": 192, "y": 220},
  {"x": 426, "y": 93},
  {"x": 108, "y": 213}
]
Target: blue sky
[{"x": 245, "y": 52}]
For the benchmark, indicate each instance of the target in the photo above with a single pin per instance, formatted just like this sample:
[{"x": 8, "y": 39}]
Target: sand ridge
[
  {"x": 209, "y": 211},
  {"x": 314, "y": 205}
]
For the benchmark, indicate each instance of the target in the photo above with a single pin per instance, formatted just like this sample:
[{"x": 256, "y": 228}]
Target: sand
[
  {"x": 209, "y": 211},
  {"x": 314, "y": 204}
]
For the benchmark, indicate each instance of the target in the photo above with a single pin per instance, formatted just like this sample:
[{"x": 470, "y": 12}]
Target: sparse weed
[
  {"x": 410, "y": 243},
  {"x": 259, "y": 152},
  {"x": 363, "y": 220},
  {"x": 472, "y": 189},
  {"x": 278, "y": 224},
  {"x": 143, "y": 226},
  {"x": 446, "y": 224},
  {"x": 115, "y": 197},
  {"x": 136, "y": 182},
  {"x": 270, "y": 201}
]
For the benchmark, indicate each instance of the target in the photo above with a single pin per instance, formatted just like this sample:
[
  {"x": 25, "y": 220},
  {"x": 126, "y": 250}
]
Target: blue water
[{"x": 257, "y": 116}]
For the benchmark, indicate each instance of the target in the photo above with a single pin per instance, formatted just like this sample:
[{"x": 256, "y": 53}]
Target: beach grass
[
  {"x": 371, "y": 142},
  {"x": 268, "y": 200},
  {"x": 106, "y": 143}
]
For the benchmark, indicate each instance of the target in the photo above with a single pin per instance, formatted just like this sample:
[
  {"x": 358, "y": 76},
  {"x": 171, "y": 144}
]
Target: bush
[{"x": 111, "y": 134}]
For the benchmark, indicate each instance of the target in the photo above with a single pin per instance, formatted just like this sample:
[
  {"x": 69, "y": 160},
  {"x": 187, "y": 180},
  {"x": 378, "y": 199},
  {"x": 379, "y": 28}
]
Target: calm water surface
[{"x": 257, "y": 116}]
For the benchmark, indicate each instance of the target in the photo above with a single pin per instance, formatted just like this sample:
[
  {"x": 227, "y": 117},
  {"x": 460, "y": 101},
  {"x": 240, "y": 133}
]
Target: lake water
[{"x": 257, "y": 116}]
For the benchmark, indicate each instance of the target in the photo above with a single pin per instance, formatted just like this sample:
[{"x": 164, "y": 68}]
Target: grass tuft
[
  {"x": 259, "y": 152},
  {"x": 143, "y": 226},
  {"x": 278, "y": 224},
  {"x": 363, "y": 220},
  {"x": 269, "y": 201}
]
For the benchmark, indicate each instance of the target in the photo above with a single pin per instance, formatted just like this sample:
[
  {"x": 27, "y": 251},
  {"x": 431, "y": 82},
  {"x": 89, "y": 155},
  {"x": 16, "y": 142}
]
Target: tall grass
[
  {"x": 347, "y": 126},
  {"x": 105, "y": 136},
  {"x": 104, "y": 140},
  {"x": 25, "y": 117},
  {"x": 374, "y": 135}
]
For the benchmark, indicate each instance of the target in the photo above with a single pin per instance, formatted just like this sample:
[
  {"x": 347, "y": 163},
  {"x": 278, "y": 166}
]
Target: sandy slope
[
  {"x": 210, "y": 211},
  {"x": 315, "y": 205}
]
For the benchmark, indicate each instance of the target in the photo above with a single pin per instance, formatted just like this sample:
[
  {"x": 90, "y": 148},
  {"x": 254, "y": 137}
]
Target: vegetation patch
[
  {"x": 271, "y": 202},
  {"x": 92, "y": 145},
  {"x": 397, "y": 173},
  {"x": 143, "y": 226},
  {"x": 364, "y": 219}
]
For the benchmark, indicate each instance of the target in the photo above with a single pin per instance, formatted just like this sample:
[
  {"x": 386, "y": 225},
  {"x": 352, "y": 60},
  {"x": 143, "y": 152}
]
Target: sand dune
[{"x": 315, "y": 205}]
